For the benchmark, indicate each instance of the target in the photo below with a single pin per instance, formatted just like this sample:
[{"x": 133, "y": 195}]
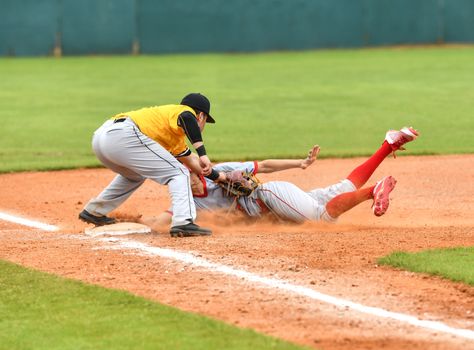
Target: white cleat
[{"x": 396, "y": 139}]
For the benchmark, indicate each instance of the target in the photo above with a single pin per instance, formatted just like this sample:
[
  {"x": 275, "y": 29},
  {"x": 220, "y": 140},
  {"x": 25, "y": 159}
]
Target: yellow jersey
[{"x": 160, "y": 123}]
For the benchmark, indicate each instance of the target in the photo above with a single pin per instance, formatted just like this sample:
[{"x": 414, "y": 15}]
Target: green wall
[
  {"x": 28, "y": 27},
  {"x": 36, "y": 27},
  {"x": 404, "y": 21},
  {"x": 97, "y": 26}
]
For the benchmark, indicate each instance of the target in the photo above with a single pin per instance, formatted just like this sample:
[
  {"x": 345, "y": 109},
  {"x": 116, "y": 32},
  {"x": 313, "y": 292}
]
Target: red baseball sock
[
  {"x": 345, "y": 201},
  {"x": 363, "y": 172}
]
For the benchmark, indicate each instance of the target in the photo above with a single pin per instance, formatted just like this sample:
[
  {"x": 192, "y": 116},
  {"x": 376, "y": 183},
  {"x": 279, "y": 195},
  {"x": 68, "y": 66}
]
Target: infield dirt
[{"x": 432, "y": 206}]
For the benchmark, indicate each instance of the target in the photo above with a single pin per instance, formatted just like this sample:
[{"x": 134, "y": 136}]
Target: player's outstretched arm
[
  {"x": 192, "y": 162},
  {"x": 193, "y": 127},
  {"x": 272, "y": 165}
]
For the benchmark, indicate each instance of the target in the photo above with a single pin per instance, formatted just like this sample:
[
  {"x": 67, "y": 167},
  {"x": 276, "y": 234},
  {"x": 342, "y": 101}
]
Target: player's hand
[
  {"x": 205, "y": 164},
  {"x": 312, "y": 155}
]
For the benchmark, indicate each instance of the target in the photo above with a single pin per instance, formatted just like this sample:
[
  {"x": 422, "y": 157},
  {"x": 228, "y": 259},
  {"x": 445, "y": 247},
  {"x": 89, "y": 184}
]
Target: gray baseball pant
[{"x": 122, "y": 148}]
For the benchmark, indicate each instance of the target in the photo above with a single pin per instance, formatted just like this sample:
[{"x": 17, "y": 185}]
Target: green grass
[
  {"x": 456, "y": 264},
  {"x": 266, "y": 105},
  {"x": 40, "y": 311}
]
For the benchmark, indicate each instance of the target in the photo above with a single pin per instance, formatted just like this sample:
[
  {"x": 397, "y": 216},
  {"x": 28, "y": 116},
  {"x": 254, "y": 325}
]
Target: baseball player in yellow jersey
[{"x": 149, "y": 143}]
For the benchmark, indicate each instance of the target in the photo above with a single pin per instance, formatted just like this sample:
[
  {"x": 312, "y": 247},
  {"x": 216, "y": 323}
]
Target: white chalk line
[
  {"x": 266, "y": 281},
  {"x": 27, "y": 222},
  {"x": 286, "y": 286}
]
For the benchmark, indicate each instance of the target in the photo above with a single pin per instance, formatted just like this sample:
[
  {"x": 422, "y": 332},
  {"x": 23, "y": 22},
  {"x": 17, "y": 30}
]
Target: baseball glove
[{"x": 240, "y": 183}]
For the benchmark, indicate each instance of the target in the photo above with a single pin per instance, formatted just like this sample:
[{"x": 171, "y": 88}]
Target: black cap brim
[{"x": 210, "y": 119}]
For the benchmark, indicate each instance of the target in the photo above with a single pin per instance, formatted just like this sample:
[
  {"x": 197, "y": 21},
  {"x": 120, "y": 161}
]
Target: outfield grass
[
  {"x": 40, "y": 311},
  {"x": 266, "y": 105},
  {"x": 455, "y": 264}
]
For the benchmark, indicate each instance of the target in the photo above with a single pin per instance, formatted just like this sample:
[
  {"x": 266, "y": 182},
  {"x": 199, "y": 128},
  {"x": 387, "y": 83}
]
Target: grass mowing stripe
[
  {"x": 266, "y": 105},
  {"x": 456, "y": 264},
  {"x": 42, "y": 311}
]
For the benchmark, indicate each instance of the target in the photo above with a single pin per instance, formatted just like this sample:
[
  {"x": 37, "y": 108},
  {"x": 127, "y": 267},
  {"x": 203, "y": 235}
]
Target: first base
[{"x": 122, "y": 228}]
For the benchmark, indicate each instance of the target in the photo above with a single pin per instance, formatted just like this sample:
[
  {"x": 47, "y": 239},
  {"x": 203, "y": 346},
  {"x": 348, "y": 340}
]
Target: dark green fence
[
  {"x": 70, "y": 27},
  {"x": 29, "y": 27},
  {"x": 97, "y": 26}
]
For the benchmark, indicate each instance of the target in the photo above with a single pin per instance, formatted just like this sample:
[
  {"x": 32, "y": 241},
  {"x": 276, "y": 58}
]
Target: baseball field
[{"x": 404, "y": 280}]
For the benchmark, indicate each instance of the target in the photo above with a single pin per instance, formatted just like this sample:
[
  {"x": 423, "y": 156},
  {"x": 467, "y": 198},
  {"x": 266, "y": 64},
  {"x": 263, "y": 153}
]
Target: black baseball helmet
[{"x": 199, "y": 102}]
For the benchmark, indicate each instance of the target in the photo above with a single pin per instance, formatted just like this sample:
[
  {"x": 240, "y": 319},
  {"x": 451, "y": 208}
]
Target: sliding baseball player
[{"x": 288, "y": 202}]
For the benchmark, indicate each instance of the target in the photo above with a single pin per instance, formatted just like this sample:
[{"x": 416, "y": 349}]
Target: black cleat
[
  {"x": 96, "y": 220},
  {"x": 189, "y": 230}
]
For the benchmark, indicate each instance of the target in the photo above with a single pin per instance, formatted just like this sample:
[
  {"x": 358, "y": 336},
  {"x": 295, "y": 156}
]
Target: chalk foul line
[
  {"x": 27, "y": 222},
  {"x": 125, "y": 244}
]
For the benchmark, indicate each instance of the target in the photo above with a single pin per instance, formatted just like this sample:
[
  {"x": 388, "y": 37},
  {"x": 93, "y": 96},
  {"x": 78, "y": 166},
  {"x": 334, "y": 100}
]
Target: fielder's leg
[
  {"x": 117, "y": 192},
  {"x": 121, "y": 187}
]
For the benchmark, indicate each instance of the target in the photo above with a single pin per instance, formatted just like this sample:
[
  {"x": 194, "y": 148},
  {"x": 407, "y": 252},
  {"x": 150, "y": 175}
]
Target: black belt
[{"x": 121, "y": 120}]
